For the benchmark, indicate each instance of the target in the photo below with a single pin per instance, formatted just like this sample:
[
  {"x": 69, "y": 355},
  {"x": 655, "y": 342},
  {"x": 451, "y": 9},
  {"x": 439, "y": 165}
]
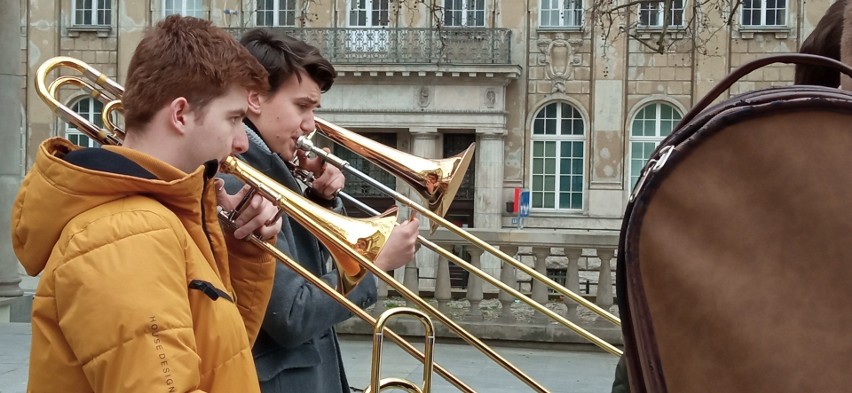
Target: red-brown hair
[{"x": 186, "y": 57}]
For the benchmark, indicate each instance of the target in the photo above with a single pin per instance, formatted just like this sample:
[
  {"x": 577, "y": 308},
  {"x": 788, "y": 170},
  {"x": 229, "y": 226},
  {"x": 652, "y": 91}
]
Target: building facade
[
  {"x": 557, "y": 101},
  {"x": 562, "y": 98}
]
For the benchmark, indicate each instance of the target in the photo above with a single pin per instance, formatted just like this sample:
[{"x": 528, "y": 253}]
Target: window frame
[
  {"x": 92, "y": 115},
  {"x": 560, "y": 138},
  {"x": 368, "y": 10},
  {"x": 764, "y": 10},
  {"x": 183, "y": 8},
  {"x": 656, "y": 139},
  {"x": 659, "y": 14},
  {"x": 465, "y": 12},
  {"x": 94, "y": 13},
  {"x": 564, "y": 14},
  {"x": 276, "y": 13}
]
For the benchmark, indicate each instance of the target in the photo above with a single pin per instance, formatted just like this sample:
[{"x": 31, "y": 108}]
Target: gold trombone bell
[{"x": 436, "y": 180}]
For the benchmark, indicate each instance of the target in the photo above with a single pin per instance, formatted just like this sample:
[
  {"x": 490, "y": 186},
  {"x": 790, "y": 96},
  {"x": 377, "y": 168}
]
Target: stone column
[
  {"x": 572, "y": 279},
  {"x": 604, "y": 296},
  {"x": 474, "y": 287},
  {"x": 488, "y": 197},
  {"x": 489, "y": 178},
  {"x": 424, "y": 144},
  {"x": 508, "y": 277},
  {"x": 381, "y": 296},
  {"x": 539, "y": 289},
  {"x": 443, "y": 288},
  {"x": 11, "y": 156}
]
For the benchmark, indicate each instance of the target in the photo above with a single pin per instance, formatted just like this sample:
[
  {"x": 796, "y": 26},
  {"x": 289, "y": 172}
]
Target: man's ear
[
  {"x": 254, "y": 99},
  {"x": 179, "y": 114}
]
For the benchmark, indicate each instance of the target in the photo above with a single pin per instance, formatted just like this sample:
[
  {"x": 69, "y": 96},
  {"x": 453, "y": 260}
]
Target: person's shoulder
[{"x": 119, "y": 219}]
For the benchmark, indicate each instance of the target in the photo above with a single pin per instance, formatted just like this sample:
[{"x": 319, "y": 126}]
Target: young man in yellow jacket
[{"x": 140, "y": 290}]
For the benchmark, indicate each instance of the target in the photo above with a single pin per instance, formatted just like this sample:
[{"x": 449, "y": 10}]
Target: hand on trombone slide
[
  {"x": 401, "y": 245},
  {"x": 257, "y": 215},
  {"x": 328, "y": 179}
]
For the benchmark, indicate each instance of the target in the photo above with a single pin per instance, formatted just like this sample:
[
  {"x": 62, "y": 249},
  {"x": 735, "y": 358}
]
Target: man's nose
[
  {"x": 308, "y": 124},
  {"x": 240, "y": 144}
]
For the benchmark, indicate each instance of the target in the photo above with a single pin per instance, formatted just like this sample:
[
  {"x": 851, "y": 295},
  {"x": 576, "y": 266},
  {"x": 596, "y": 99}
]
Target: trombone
[
  {"x": 346, "y": 248},
  {"x": 377, "y": 384},
  {"x": 418, "y": 177},
  {"x": 111, "y": 92}
]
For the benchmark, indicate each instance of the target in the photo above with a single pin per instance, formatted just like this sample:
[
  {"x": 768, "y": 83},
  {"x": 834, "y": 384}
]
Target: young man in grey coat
[{"x": 297, "y": 349}]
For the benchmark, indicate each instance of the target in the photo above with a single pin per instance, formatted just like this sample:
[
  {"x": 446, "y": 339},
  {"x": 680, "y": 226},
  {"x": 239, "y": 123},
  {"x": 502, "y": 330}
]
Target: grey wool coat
[{"x": 297, "y": 348}]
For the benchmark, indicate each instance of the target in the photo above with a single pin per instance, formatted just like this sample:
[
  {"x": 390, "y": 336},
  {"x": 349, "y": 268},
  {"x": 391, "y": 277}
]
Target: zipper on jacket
[
  {"x": 208, "y": 289},
  {"x": 210, "y": 168}
]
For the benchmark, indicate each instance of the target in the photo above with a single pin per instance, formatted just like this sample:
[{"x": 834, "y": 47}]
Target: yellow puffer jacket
[{"x": 136, "y": 291}]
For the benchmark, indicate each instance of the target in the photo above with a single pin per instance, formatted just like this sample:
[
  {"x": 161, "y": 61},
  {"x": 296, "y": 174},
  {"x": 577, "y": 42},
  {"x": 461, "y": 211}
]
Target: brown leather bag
[{"x": 736, "y": 248}]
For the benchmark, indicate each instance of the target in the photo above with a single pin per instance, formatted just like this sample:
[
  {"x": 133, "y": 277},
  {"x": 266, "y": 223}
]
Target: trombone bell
[{"x": 436, "y": 180}]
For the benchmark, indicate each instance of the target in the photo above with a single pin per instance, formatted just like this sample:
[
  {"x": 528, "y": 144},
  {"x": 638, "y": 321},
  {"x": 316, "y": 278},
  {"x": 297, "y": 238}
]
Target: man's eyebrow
[{"x": 308, "y": 100}]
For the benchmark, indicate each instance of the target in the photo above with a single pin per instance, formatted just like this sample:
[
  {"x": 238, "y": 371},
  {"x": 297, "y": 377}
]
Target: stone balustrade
[{"x": 581, "y": 261}]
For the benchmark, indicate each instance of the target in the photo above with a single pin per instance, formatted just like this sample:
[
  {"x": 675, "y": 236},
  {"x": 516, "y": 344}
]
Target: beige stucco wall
[{"x": 606, "y": 81}]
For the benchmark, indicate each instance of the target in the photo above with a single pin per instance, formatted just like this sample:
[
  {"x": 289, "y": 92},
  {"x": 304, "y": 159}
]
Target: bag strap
[{"x": 745, "y": 69}]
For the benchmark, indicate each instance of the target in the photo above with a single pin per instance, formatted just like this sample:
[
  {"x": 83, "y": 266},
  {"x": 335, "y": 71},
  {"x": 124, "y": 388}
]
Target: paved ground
[{"x": 560, "y": 370}]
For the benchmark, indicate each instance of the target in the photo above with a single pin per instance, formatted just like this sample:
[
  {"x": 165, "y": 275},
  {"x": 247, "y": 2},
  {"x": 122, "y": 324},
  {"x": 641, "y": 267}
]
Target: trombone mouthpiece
[{"x": 305, "y": 143}]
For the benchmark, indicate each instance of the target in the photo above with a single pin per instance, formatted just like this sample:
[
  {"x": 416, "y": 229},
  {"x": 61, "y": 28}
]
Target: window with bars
[
  {"x": 558, "y": 275},
  {"x": 469, "y": 13},
  {"x": 90, "y": 109},
  {"x": 558, "y": 158},
  {"x": 276, "y": 13},
  {"x": 651, "y": 125},
  {"x": 652, "y": 14},
  {"x": 194, "y": 8},
  {"x": 762, "y": 13},
  {"x": 92, "y": 12},
  {"x": 561, "y": 13},
  {"x": 358, "y": 187}
]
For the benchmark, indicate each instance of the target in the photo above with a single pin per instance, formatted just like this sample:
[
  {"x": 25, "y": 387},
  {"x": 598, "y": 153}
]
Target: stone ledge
[{"x": 494, "y": 331}]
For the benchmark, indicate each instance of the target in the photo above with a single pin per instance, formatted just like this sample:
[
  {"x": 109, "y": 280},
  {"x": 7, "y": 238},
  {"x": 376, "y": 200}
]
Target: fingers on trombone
[
  {"x": 274, "y": 218},
  {"x": 249, "y": 193}
]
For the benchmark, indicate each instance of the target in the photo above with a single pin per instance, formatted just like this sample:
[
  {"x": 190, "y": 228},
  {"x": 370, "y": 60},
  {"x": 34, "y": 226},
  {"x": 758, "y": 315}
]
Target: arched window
[
  {"x": 90, "y": 109},
  {"x": 558, "y": 162},
  {"x": 651, "y": 124}
]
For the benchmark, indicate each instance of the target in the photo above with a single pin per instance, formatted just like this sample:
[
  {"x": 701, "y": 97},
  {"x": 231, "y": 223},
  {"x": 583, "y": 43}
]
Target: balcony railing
[{"x": 351, "y": 45}]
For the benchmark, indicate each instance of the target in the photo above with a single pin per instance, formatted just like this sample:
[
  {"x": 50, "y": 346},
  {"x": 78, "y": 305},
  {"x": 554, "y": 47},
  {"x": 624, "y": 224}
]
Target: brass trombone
[
  {"x": 415, "y": 177},
  {"x": 377, "y": 384},
  {"x": 231, "y": 165},
  {"x": 342, "y": 246}
]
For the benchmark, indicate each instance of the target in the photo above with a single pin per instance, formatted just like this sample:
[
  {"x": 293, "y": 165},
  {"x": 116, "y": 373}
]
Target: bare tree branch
[{"x": 638, "y": 20}]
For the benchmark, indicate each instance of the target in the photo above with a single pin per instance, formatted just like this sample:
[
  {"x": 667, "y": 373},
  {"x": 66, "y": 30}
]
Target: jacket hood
[{"x": 56, "y": 190}]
